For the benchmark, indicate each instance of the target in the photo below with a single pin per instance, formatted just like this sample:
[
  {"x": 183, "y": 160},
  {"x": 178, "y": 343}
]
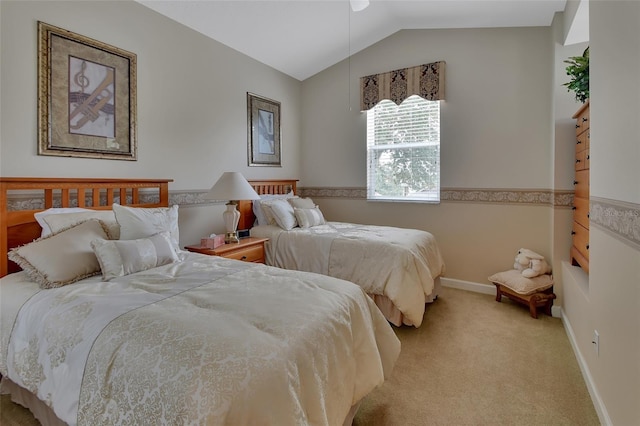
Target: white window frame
[{"x": 429, "y": 134}]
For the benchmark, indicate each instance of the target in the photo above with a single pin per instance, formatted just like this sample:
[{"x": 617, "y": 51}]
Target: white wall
[
  {"x": 610, "y": 303},
  {"x": 496, "y": 133},
  {"x": 191, "y": 101},
  {"x": 497, "y": 107}
]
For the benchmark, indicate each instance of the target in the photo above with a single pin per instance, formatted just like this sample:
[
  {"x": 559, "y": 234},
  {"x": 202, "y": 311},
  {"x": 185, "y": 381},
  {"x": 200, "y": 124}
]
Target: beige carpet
[{"x": 473, "y": 362}]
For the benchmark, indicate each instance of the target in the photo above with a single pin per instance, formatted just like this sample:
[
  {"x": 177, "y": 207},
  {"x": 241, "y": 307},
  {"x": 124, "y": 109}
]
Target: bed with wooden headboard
[
  {"x": 18, "y": 225},
  {"x": 98, "y": 326},
  {"x": 399, "y": 268}
]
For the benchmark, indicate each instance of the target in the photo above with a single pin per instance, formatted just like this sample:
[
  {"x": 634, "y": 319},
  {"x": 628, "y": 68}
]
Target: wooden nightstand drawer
[
  {"x": 248, "y": 250},
  {"x": 249, "y": 254}
]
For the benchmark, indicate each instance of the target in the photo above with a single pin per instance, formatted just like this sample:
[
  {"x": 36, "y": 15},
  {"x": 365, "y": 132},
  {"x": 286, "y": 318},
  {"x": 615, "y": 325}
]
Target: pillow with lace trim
[{"x": 64, "y": 257}]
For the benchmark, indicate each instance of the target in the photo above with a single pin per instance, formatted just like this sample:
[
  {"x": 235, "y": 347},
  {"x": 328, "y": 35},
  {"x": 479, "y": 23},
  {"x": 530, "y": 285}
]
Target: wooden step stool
[
  {"x": 536, "y": 292},
  {"x": 534, "y": 301}
]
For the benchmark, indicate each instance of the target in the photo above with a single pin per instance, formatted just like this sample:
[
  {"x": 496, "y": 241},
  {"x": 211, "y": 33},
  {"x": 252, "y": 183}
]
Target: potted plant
[{"x": 578, "y": 70}]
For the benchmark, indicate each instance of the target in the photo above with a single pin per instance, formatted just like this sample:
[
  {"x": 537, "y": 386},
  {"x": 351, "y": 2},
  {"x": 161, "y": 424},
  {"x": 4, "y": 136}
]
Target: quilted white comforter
[
  {"x": 202, "y": 341},
  {"x": 401, "y": 264}
]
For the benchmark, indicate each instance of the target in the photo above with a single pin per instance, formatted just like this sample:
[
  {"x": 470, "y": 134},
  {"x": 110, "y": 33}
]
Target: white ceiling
[{"x": 303, "y": 37}]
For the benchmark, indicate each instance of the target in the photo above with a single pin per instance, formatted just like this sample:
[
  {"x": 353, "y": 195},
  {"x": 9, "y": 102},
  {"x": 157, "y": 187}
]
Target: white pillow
[
  {"x": 258, "y": 212},
  {"x": 57, "y": 222},
  {"x": 142, "y": 222},
  {"x": 514, "y": 280},
  {"x": 53, "y": 211},
  {"x": 309, "y": 217},
  {"x": 124, "y": 257},
  {"x": 302, "y": 203},
  {"x": 280, "y": 212},
  {"x": 62, "y": 258}
]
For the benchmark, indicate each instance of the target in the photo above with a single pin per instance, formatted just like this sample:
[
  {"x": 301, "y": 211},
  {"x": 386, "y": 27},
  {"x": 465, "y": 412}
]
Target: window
[{"x": 403, "y": 151}]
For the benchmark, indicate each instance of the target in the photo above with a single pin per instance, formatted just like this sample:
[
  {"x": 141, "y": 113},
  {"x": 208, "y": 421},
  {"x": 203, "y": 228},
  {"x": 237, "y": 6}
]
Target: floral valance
[{"x": 426, "y": 81}]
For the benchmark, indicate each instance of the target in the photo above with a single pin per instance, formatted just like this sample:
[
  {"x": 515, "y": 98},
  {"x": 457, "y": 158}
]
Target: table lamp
[{"x": 231, "y": 186}]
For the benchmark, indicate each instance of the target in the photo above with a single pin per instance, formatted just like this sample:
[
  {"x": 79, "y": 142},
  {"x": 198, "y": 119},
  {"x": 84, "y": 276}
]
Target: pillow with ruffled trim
[{"x": 64, "y": 257}]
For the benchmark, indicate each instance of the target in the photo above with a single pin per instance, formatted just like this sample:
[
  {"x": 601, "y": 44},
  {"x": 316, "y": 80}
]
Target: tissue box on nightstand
[{"x": 212, "y": 242}]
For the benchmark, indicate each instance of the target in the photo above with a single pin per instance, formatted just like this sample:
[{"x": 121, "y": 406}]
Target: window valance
[{"x": 426, "y": 81}]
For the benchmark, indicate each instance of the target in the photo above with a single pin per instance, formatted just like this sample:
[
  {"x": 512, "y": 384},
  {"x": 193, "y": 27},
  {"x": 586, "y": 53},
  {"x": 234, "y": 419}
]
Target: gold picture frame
[
  {"x": 263, "y": 131},
  {"x": 86, "y": 97}
]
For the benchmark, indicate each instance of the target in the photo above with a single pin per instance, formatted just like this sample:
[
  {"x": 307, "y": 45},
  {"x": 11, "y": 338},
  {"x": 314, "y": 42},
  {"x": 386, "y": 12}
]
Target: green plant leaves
[{"x": 578, "y": 70}]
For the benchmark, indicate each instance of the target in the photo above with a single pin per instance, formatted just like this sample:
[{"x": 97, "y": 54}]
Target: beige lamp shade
[{"x": 231, "y": 186}]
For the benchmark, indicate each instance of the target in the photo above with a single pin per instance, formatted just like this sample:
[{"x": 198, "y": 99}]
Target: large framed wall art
[
  {"x": 263, "y": 131},
  {"x": 86, "y": 97}
]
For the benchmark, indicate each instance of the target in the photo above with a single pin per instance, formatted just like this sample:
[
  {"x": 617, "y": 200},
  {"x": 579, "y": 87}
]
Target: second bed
[{"x": 399, "y": 268}]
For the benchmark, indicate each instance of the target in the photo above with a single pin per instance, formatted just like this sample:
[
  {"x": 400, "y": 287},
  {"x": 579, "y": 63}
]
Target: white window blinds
[{"x": 403, "y": 151}]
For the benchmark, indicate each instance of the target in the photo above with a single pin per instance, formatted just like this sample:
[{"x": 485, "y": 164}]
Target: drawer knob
[
  {"x": 243, "y": 258},
  {"x": 577, "y": 161},
  {"x": 587, "y": 246},
  {"x": 573, "y": 232},
  {"x": 575, "y": 182},
  {"x": 577, "y": 126},
  {"x": 585, "y": 119},
  {"x": 573, "y": 208},
  {"x": 588, "y": 157},
  {"x": 578, "y": 142}
]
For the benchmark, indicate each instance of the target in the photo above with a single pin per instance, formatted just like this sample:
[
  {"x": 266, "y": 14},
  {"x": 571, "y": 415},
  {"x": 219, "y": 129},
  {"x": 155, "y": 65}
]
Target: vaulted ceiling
[{"x": 303, "y": 37}]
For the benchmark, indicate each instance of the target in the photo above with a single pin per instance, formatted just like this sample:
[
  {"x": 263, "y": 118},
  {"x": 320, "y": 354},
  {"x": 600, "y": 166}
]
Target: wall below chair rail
[{"x": 476, "y": 239}]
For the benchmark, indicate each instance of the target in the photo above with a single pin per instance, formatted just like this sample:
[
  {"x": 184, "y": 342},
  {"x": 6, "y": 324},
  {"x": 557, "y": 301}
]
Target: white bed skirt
[
  {"x": 393, "y": 314},
  {"x": 39, "y": 409}
]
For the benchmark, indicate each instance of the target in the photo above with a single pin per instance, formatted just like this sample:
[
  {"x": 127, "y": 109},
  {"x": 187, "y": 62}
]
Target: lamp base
[
  {"x": 231, "y": 237},
  {"x": 231, "y": 216}
]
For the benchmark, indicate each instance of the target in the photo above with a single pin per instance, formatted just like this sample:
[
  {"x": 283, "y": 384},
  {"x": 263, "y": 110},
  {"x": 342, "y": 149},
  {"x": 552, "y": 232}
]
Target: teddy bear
[{"x": 531, "y": 264}]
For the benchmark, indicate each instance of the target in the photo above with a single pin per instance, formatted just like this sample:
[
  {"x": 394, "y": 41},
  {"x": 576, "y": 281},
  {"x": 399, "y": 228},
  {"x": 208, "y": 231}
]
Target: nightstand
[{"x": 248, "y": 250}]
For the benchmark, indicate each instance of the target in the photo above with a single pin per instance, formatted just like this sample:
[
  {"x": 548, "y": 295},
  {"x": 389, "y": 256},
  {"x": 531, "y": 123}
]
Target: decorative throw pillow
[
  {"x": 258, "y": 212},
  {"x": 141, "y": 222},
  {"x": 309, "y": 217},
  {"x": 301, "y": 203},
  {"x": 62, "y": 258},
  {"x": 124, "y": 257},
  {"x": 280, "y": 212},
  {"x": 57, "y": 222},
  {"x": 514, "y": 280}
]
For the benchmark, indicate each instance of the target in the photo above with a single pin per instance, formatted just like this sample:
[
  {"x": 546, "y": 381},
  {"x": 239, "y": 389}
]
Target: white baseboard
[
  {"x": 598, "y": 404},
  {"x": 468, "y": 285}
]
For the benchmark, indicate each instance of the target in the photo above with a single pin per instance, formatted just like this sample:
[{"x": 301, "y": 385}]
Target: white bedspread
[
  {"x": 399, "y": 263},
  {"x": 203, "y": 341}
]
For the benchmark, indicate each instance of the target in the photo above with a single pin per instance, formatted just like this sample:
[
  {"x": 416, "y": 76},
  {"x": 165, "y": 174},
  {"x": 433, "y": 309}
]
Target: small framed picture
[
  {"x": 263, "y": 131},
  {"x": 86, "y": 97}
]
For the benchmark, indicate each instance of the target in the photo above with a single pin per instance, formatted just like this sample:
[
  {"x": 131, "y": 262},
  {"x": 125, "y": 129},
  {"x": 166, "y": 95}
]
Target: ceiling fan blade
[{"x": 358, "y": 5}]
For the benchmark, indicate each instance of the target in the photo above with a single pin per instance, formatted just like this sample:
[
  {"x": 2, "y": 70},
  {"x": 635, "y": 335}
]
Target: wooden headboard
[
  {"x": 263, "y": 187},
  {"x": 18, "y": 226}
]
